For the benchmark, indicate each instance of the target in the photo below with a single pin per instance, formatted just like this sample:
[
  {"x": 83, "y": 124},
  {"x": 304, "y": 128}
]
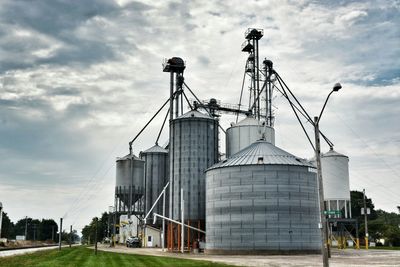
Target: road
[{"x": 340, "y": 258}]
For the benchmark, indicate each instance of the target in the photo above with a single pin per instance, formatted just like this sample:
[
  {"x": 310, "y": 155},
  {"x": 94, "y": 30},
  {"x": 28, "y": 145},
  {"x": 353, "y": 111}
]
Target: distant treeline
[
  {"x": 381, "y": 224},
  {"x": 39, "y": 230}
]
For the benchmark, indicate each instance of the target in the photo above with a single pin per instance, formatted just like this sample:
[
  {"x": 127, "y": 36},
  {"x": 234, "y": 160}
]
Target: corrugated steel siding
[
  {"x": 156, "y": 176},
  {"x": 194, "y": 149},
  {"x": 262, "y": 208}
]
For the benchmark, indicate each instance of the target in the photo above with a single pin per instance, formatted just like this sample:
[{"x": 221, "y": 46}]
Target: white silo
[
  {"x": 335, "y": 175},
  {"x": 246, "y": 132},
  {"x": 129, "y": 186}
]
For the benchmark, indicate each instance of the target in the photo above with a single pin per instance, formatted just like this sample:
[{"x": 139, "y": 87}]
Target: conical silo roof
[
  {"x": 333, "y": 153},
  {"x": 262, "y": 152},
  {"x": 129, "y": 156},
  {"x": 195, "y": 114},
  {"x": 155, "y": 149},
  {"x": 248, "y": 121}
]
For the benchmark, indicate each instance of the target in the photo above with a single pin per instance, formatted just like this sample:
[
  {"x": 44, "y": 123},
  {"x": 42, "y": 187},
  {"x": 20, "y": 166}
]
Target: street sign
[
  {"x": 368, "y": 211},
  {"x": 332, "y": 212}
]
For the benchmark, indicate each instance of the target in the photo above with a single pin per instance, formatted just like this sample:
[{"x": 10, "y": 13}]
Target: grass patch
[{"x": 84, "y": 257}]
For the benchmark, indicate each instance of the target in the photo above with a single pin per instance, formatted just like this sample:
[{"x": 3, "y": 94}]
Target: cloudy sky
[{"x": 78, "y": 79}]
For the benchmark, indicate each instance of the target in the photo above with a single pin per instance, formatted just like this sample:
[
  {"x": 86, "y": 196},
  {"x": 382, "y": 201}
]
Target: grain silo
[
  {"x": 246, "y": 132},
  {"x": 156, "y": 175},
  {"x": 335, "y": 175},
  {"x": 194, "y": 148},
  {"x": 129, "y": 188},
  {"x": 262, "y": 200}
]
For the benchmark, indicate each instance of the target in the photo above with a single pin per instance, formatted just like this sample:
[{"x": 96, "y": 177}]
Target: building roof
[
  {"x": 129, "y": 156},
  {"x": 333, "y": 153},
  {"x": 195, "y": 114},
  {"x": 248, "y": 121},
  {"x": 262, "y": 152},
  {"x": 155, "y": 149}
]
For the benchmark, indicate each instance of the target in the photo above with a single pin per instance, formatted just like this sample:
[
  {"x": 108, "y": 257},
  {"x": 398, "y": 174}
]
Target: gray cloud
[{"x": 79, "y": 79}]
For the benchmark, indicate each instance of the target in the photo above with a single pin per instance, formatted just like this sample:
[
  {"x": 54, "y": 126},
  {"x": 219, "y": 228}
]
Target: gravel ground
[
  {"x": 340, "y": 258},
  {"x": 16, "y": 252},
  {"x": 22, "y": 251}
]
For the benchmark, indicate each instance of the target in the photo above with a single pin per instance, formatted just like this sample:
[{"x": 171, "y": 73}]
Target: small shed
[{"x": 152, "y": 237}]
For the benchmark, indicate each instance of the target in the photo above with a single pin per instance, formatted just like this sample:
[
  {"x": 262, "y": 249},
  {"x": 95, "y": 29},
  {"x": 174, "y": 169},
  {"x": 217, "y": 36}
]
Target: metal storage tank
[
  {"x": 262, "y": 200},
  {"x": 156, "y": 176},
  {"x": 194, "y": 148},
  {"x": 335, "y": 176},
  {"x": 129, "y": 182},
  {"x": 246, "y": 132}
]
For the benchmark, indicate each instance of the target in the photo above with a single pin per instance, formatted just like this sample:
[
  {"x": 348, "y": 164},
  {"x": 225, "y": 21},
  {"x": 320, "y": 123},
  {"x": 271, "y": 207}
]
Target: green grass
[{"x": 83, "y": 257}]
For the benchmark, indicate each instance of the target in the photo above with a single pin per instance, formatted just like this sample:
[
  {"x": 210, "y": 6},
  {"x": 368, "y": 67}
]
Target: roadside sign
[
  {"x": 332, "y": 212},
  {"x": 368, "y": 211}
]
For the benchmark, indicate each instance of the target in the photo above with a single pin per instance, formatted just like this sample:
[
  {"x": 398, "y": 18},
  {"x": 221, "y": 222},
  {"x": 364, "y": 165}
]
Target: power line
[{"x": 366, "y": 145}]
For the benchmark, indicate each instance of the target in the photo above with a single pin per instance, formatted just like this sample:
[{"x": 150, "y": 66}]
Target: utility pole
[
  {"x": 114, "y": 220},
  {"x": 163, "y": 223},
  {"x": 34, "y": 232},
  {"x": 70, "y": 236},
  {"x": 1, "y": 216},
  {"x": 108, "y": 225},
  {"x": 26, "y": 227},
  {"x": 59, "y": 234},
  {"x": 110, "y": 211},
  {"x": 52, "y": 233},
  {"x": 183, "y": 222},
  {"x": 321, "y": 194},
  {"x": 365, "y": 219},
  {"x": 95, "y": 238}
]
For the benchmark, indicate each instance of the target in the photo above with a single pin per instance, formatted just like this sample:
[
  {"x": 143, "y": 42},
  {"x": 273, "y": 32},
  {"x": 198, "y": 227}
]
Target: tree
[
  {"x": 356, "y": 205},
  {"x": 381, "y": 224},
  {"x": 33, "y": 229},
  {"x": 40, "y": 230},
  {"x": 392, "y": 235},
  {"x": 88, "y": 232},
  {"x": 20, "y": 228},
  {"x": 47, "y": 230},
  {"x": 7, "y": 229}
]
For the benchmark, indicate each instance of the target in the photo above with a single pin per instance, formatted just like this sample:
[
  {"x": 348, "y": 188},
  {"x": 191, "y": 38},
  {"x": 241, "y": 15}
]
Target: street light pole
[
  {"x": 322, "y": 208},
  {"x": 26, "y": 227},
  {"x": 110, "y": 211},
  {"x": 365, "y": 219},
  {"x": 321, "y": 194}
]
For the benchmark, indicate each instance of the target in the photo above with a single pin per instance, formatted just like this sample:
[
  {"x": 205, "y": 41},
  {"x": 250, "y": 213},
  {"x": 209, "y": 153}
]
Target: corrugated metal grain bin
[
  {"x": 194, "y": 148},
  {"x": 156, "y": 176},
  {"x": 262, "y": 200}
]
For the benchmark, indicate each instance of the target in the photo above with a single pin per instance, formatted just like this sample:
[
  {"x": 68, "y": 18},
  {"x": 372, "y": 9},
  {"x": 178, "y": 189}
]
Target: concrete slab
[{"x": 340, "y": 258}]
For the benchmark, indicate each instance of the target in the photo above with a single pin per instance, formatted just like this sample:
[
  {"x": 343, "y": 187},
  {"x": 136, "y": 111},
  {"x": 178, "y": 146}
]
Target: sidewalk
[{"x": 340, "y": 258}]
